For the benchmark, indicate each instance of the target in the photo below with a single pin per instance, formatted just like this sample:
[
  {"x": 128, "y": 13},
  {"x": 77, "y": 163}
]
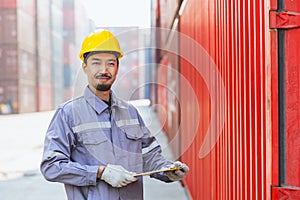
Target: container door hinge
[
  {"x": 286, "y": 192},
  {"x": 284, "y": 19}
]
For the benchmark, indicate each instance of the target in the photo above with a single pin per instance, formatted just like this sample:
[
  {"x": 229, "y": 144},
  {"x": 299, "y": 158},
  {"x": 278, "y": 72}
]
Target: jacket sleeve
[
  {"x": 152, "y": 157},
  {"x": 56, "y": 164}
]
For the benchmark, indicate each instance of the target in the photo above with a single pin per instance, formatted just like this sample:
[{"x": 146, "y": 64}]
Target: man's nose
[{"x": 103, "y": 68}]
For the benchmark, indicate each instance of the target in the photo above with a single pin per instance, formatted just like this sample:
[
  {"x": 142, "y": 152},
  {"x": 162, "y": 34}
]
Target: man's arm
[
  {"x": 56, "y": 163},
  {"x": 153, "y": 159}
]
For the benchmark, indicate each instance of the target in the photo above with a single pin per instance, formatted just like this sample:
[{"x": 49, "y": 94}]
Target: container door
[{"x": 286, "y": 21}]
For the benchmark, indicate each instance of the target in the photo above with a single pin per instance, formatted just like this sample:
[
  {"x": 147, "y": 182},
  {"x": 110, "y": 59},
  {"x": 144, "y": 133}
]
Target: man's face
[{"x": 101, "y": 70}]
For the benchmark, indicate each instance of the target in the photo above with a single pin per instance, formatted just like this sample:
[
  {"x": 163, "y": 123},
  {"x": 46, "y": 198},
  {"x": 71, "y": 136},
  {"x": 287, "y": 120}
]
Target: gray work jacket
[{"x": 86, "y": 133}]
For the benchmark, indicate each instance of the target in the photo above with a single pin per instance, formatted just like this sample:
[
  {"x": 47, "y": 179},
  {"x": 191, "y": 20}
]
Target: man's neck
[{"x": 104, "y": 95}]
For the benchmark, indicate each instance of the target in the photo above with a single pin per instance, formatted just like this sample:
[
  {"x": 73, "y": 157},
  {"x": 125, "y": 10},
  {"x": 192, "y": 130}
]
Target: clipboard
[{"x": 157, "y": 171}]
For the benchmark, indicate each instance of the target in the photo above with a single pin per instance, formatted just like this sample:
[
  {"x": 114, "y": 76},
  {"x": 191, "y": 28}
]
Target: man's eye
[
  {"x": 96, "y": 63},
  {"x": 111, "y": 64}
]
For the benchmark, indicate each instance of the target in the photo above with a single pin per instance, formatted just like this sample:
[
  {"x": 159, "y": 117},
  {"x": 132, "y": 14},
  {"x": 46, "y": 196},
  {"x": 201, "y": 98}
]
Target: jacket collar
[
  {"x": 99, "y": 105},
  {"x": 117, "y": 102}
]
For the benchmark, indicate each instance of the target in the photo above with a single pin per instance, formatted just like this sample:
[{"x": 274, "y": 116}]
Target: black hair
[{"x": 88, "y": 54}]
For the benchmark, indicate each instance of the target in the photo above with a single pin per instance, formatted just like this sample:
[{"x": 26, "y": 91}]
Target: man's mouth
[{"x": 103, "y": 76}]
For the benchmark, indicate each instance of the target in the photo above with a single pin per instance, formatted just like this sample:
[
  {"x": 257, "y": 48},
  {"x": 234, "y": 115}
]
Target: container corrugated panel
[
  {"x": 43, "y": 29},
  {"x": 162, "y": 93},
  {"x": 57, "y": 46},
  {"x": 43, "y": 47},
  {"x": 173, "y": 118},
  {"x": 57, "y": 68},
  {"x": 69, "y": 54},
  {"x": 233, "y": 163},
  {"x": 27, "y": 6},
  {"x": 44, "y": 60},
  {"x": 56, "y": 16},
  {"x": 168, "y": 77},
  {"x": 8, "y": 4},
  {"x": 8, "y": 24},
  {"x": 44, "y": 70},
  {"x": 45, "y": 97},
  {"x": 27, "y": 96},
  {"x": 169, "y": 8},
  {"x": 67, "y": 51},
  {"x": 26, "y": 29},
  {"x": 9, "y": 60},
  {"x": 27, "y": 65},
  {"x": 69, "y": 18},
  {"x": 44, "y": 41},
  {"x": 81, "y": 18},
  {"x": 43, "y": 12}
]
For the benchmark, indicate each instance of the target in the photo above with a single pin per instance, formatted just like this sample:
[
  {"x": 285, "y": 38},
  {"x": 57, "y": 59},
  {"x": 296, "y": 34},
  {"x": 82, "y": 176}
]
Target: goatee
[{"x": 103, "y": 88}]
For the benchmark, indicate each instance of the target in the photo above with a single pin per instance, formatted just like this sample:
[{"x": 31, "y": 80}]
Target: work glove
[
  {"x": 177, "y": 175},
  {"x": 117, "y": 176}
]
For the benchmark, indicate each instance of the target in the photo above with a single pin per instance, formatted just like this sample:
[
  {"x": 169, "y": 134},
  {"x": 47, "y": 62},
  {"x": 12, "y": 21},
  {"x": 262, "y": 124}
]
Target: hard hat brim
[{"x": 88, "y": 54}]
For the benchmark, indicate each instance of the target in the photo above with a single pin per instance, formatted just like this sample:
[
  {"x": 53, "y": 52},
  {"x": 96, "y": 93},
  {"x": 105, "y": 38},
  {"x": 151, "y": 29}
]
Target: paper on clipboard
[{"x": 157, "y": 171}]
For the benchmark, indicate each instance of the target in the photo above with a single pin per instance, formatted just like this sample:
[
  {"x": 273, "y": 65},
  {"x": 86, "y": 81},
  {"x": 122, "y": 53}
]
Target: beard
[{"x": 103, "y": 87}]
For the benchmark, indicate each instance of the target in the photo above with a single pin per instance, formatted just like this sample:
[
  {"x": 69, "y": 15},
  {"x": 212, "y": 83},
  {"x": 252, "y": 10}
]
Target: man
[{"x": 96, "y": 143}]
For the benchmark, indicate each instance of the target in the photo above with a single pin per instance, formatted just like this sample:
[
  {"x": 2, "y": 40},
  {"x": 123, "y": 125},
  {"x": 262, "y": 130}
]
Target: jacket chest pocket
[
  {"x": 131, "y": 138},
  {"x": 131, "y": 144},
  {"x": 97, "y": 144}
]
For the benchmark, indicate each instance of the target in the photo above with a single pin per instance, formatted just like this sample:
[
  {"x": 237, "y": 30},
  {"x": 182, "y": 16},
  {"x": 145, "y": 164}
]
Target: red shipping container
[
  {"x": 70, "y": 54},
  {"x": 285, "y": 48},
  {"x": 8, "y": 4},
  {"x": 43, "y": 11},
  {"x": 28, "y": 6},
  {"x": 9, "y": 60},
  {"x": 27, "y": 101},
  {"x": 45, "y": 97},
  {"x": 171, "y": 77},
  {"x": 168, "y": 100},
  {"x": 69, "y": 18},
  {"x": 43, "y": 29},
  {"x": 232, "y": 162},
  {"x": 26, "y": 32},
  {"x": 169, "y": 8},
  {"x": 8, "y": 24},
  {"x": 240, "y": 161},
  {"x": 162, "y": 93},
  {"x": 27, "y": 65},
  {"x": 230, "y": 58},
  {"x": 44, "y": 70}
]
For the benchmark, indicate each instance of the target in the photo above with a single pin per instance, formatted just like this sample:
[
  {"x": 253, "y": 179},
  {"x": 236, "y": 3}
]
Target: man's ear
[{"x": 83, "y": 65}]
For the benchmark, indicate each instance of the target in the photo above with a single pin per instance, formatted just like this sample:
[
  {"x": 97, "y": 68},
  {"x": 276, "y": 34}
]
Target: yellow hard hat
[{"x": 102, "y": 41}]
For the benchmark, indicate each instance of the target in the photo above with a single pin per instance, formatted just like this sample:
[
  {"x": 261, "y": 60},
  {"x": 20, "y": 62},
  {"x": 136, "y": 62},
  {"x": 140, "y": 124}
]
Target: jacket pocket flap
[
  {"x": 92, "y": 137},
  {"x": 133, "y": 132}
]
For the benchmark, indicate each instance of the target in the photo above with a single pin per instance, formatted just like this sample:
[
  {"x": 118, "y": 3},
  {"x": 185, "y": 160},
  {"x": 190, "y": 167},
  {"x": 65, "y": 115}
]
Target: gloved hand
[
  {"x": 117, "y": 176},
  {"x": 177, "y": 175}
]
